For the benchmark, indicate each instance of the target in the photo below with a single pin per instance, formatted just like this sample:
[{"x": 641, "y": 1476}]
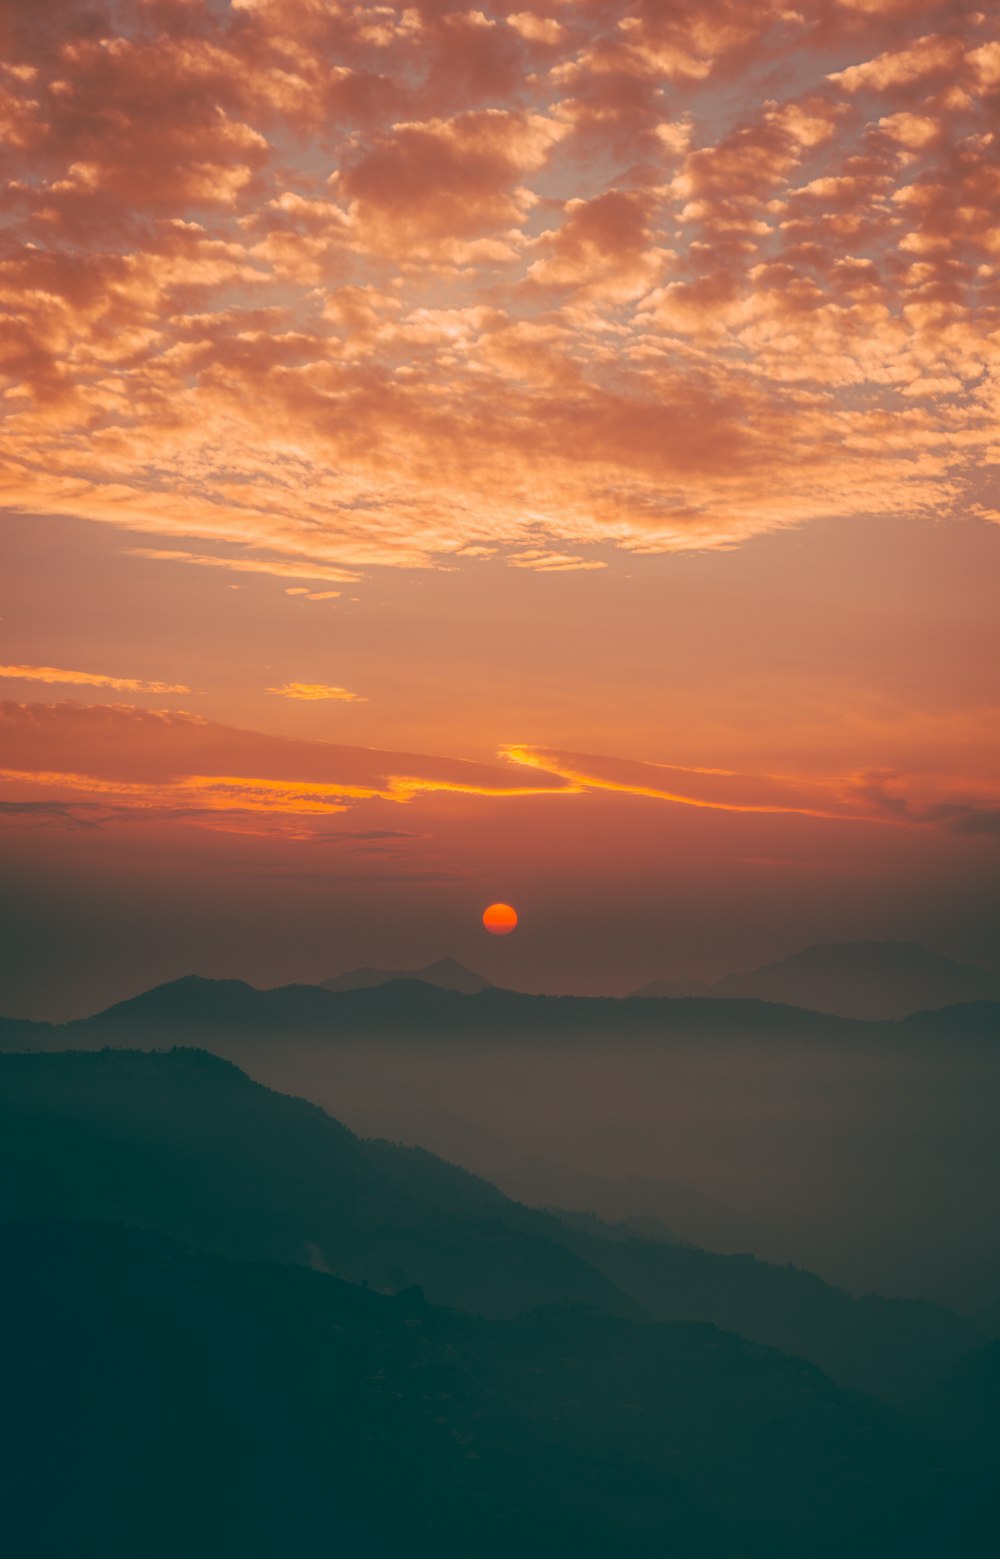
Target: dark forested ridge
[
  {"x": 463, "y": 1376},
  {"x": 193, "y": 1405},
  {"x": 184, "y": 1143}
]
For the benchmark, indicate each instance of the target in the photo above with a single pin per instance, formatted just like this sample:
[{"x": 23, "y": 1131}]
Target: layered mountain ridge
[
  {"x": 869, "y": 980},
  {"x": 311, "y": 1339},
  {"x": 140, "y": 1138}
]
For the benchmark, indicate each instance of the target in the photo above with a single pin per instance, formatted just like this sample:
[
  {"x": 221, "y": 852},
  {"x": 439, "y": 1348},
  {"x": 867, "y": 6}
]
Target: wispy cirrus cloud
[
  {"x": 178, "y": 766},
  {"x": 961, "y": 806},
  {"x": 718, "y": 790},
  {"x": 159, "y": 759},
  {"x": 280, "y": 568}
]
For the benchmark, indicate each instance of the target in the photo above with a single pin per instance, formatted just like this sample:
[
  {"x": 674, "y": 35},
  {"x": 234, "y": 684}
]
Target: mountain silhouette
[
  {"x": 446, "y": 974},
  {"x": 187, "y": 1146},
  {"x": 183, "y": 1403},
  {"x": 673, "y": 989},
  {"x": 196, "y": 1007},
  {"x": 972, "y": 1020},
  {"x": 872, "y": 980},
  {"x": 184, "y": 1143},
  {"x": 415, "y": 1004},
  {"x": 196, "y": 1004},
  {"x": 741, "y": 1125}
]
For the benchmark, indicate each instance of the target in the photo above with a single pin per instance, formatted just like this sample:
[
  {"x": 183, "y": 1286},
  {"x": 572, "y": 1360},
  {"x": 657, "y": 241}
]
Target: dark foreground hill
[
  {"x": 188, "y": 1146},
  {"x": 160, "y": 1402},
  {"x": 873, "y": 980}
]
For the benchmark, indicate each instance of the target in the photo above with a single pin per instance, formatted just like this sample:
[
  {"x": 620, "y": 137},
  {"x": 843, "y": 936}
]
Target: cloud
[
  {"x": 66, "y": 814},
  {"x": 892, "y": 795},
  {"x": 278, "y": 567},
  {"x": 713, "y": 789},
  {"x": 317, "y": 690},
  {"x": 119, "y": 762},
  {"x": 855, "y": 797},
  {"x": 162, "y": 761},
  {"x": 552, "y": 562},
  {"x": 59, "y": 674},
  {"x": 606, "y": 248},
  {"x": 984, "y": 820},
  {"x": 304, "y": 289},
  {"x": 447, "y": 189},
  {"x": 933, "y": 55}
]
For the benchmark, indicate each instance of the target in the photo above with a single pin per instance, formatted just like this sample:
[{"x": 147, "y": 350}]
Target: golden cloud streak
[
  {"x": 808, "y": 798},
  {"x": 200, "y": 798},
  {"x": 312, "y": 691},
  {"x": 59, "y": 674}
]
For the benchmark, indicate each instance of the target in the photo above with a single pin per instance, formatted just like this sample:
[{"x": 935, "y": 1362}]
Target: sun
[{"x": 500, "y": 919}]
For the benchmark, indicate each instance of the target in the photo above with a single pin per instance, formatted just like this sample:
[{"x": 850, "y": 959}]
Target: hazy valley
[{"x": 863, "y": 1150}]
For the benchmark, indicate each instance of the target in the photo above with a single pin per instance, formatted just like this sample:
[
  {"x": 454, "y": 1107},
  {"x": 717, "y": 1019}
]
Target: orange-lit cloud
[
  {"x": 280, "y": 568},
  {"x": 319, "y": 288},
  {"x": 57, "y": 674},
  {"x": 313, "y": 691},
  {"x": 162, "y": 759},
  {"x": 178, "y": 765},
  {"x": 862, "y": 796},
  {"x": 716, "y": 789}
]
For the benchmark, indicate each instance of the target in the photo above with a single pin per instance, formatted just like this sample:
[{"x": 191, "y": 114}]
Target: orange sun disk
[{"x": 500, "y": 919}]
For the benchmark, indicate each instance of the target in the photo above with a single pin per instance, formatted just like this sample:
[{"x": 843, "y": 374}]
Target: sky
[{"x": 453, "y": 455}]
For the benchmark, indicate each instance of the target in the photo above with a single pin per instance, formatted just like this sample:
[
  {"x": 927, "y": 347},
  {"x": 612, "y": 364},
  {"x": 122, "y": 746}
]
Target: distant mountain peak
[
  {"x": 876, "y": 980},
  {"x": 446, "y": 973},
  {"x": 675, "y": 988},
  {"x": 865, "y": 950},
  {"x": 174, "y": 998}
]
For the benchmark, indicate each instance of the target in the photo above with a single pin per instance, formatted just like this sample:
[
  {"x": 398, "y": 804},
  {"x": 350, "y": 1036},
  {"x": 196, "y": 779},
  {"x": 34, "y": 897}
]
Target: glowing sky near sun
[{"x": 417, "y": 412}]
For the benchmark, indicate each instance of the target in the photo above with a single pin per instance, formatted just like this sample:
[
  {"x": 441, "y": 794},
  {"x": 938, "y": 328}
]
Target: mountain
[
  {"x": 446, "y": 974},
  {"x": 27, "y": 1034},
  {"x": 887, "y": 1347},
  {"x": 864, "y": 1151},
  {"x": 873, "y": 980},
  {"x": 672, "y": 989},
  {"x": 183, "y": 1403},
  {"x": 965, "y": 1404},
  {"x": 194, "y": 1008},
  {"x": 187, "y": 1146},
  {"x": 971, "y": 1020},
  {"x": 413, "y": 1005}
]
